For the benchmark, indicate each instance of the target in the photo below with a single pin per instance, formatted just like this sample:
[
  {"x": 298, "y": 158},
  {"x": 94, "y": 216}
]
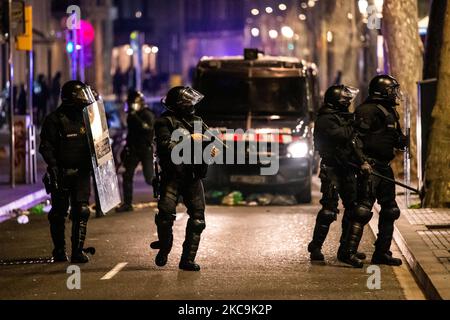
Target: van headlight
[{"x": 298, "y": 149}]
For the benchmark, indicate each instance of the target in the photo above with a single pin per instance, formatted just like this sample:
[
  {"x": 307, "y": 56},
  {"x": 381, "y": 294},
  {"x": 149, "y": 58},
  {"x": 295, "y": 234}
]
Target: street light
[
  {"x": 329, "y": 36},
  {"x": 302, "y": 17},
  {"x": 287, "y": 32},
  {"x": 255, "y": 32},
  {"x": 155, "y": 49},
  {"x": 269, "y": 10},
  {"x": 147, "y": 49},
  {"x": 255, "y": 12},
  {"x": 304, "y": 5},
  {"x": 273, "y": 34},
  {"x": 311, "y": 3},
  {"x": 362, "y": 6},
  {"x": 129, "y": 52},
  {"x": 379, "y": 5},
  {"x": 282, "y": 7}
]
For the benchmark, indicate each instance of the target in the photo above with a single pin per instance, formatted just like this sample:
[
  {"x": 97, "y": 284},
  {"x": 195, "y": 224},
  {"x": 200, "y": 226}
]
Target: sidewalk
[
  {"x": 22, "y": 196},
  {"x": 423, "y": 236}
]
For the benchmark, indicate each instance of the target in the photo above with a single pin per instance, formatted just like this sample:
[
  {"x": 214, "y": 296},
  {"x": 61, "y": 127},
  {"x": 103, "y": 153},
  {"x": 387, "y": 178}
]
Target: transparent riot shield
[{"x": 106, "y": 182}]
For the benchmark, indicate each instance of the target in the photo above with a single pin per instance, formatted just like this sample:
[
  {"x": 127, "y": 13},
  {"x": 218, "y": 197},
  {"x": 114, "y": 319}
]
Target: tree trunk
[
  {"x": 437, "y": 172},
  {"x": 434, "y": 39},
  {"x": 404, "y": 47},
  {"x": 345, "y": 44}
]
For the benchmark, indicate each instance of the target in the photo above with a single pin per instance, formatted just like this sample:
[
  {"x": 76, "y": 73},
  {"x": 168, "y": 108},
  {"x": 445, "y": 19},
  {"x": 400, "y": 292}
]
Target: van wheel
[{"x": 306, "y": 195}]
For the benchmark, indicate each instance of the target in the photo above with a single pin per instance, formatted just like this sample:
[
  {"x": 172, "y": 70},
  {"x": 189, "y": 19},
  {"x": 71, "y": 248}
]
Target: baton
[{"x": 376, "y": 174}]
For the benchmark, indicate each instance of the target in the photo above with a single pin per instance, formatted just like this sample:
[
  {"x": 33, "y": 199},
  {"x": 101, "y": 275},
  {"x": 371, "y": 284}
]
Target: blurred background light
[
  {"x": 273, "y": 34},
  {"x": 287, "y": 32}
]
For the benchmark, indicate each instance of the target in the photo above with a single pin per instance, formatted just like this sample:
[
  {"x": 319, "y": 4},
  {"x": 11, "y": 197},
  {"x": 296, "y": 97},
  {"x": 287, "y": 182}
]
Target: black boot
[
  {"x": 385, "y": 258},
  {"x": 57, "y": 230},
  {"x": 315, "y": 253},
  {"x": 60, "y": 255},
  {"x": 341, "y": 253},
  {"x": 348, "y": 253},
  {"x": 79, "y": 229},
  {"x": 124, "y": 208},
  {"x": 163, "y": 254},
  {"x": 382, "y": 254},
  {"x": 323, "y": 221},
  {"x": 345, "y": 228},
  {"x": 165, "y": 242},
  {"x": 191, "y": 244}
]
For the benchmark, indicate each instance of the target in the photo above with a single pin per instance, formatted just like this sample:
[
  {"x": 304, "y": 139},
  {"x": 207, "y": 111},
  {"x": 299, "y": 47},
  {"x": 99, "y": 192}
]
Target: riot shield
[{"x": 106, "y": 182}]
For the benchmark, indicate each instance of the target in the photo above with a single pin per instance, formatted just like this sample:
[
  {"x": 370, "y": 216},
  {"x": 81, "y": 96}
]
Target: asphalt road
[{"x": 245, "y": 253}]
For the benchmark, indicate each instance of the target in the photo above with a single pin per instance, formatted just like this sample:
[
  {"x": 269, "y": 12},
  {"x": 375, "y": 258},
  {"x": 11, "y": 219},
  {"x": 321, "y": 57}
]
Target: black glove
[
  {"x": 53, "y": 174},
  {"x": 366, "y": 168}
]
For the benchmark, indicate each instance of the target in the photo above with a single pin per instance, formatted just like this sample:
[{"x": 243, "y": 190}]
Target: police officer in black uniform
[
  {"x": 64, "y": 147},
  {"x": 332, "y": 135},
  {"x": 179, "y": 180},
  {"x": 377, "y": 123},
  {"x": 139, "y": 147}
]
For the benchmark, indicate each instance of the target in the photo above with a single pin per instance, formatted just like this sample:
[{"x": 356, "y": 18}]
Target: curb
[
  {"x": 424, "y": 265},
  {"x": 23, "y": 203}
]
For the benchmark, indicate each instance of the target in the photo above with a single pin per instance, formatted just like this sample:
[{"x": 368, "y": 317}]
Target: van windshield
[{"x": 227, "y": 94}]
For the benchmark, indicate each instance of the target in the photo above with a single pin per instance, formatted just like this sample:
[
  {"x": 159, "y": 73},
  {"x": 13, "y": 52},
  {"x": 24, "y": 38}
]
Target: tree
[
  {"x": 434, "y": 39},
  {"x": 404, "y": 49},
  {"x": 437, "y": 171}
]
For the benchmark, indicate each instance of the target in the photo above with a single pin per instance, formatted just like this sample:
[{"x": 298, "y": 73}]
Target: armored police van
[{"x": 263, "y": 94}]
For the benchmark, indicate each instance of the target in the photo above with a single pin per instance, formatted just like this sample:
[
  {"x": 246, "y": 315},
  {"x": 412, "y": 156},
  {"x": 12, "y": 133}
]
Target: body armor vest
[{"x": 74, "y": 148}]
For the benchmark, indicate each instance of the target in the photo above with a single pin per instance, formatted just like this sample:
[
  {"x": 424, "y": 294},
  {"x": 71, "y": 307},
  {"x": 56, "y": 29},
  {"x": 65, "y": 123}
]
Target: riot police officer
[
  {"x": 65, "y": 149},
  {"x": 179, "y": 179},
  {"x": 377, "y": 123},
  {"x": 139, "y": 147},
  {"x": 332, "y": 135}
]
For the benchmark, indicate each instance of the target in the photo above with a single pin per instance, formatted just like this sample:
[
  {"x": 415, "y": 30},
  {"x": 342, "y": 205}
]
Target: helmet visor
[
  {"x": 189, "y": 96},
  {"x": 85, "y": 96},
  {"x": 350, "y": 93}
]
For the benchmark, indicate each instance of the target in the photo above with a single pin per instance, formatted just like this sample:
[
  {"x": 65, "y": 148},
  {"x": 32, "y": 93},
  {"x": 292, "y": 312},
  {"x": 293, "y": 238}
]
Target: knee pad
[
  {"x": 81, "y": 212},
  {"x": 362, "y": 214},
  {"x": 196, "y": 225},
  {"x": 85, "y": 213},
  {"x": 326, "y": 217},
  {"x": 390, "y": 213},
  {"x": 164, "y": 220}
]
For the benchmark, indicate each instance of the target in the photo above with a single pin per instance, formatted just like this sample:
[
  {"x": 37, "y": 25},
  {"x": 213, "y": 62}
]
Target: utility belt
[{"x": 55, "y": 181}]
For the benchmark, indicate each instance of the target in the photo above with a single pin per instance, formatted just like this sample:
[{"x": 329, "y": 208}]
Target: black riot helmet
[
  {"x": 77, "y": 94},
  {"x": 135, "y": 101},
  {"x": 182, "y": 100},
  {"x": 340, "y": 97},
  {"x": 385, "y": 88}
]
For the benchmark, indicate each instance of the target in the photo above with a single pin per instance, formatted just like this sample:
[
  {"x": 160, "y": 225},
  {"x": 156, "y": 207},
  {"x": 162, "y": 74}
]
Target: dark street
[{"x": 246, "y": 253}]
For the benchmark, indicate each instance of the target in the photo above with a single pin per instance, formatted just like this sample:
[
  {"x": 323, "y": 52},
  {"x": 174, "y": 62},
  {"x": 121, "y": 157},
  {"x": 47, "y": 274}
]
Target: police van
[{"x": 263, "y": 95}]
